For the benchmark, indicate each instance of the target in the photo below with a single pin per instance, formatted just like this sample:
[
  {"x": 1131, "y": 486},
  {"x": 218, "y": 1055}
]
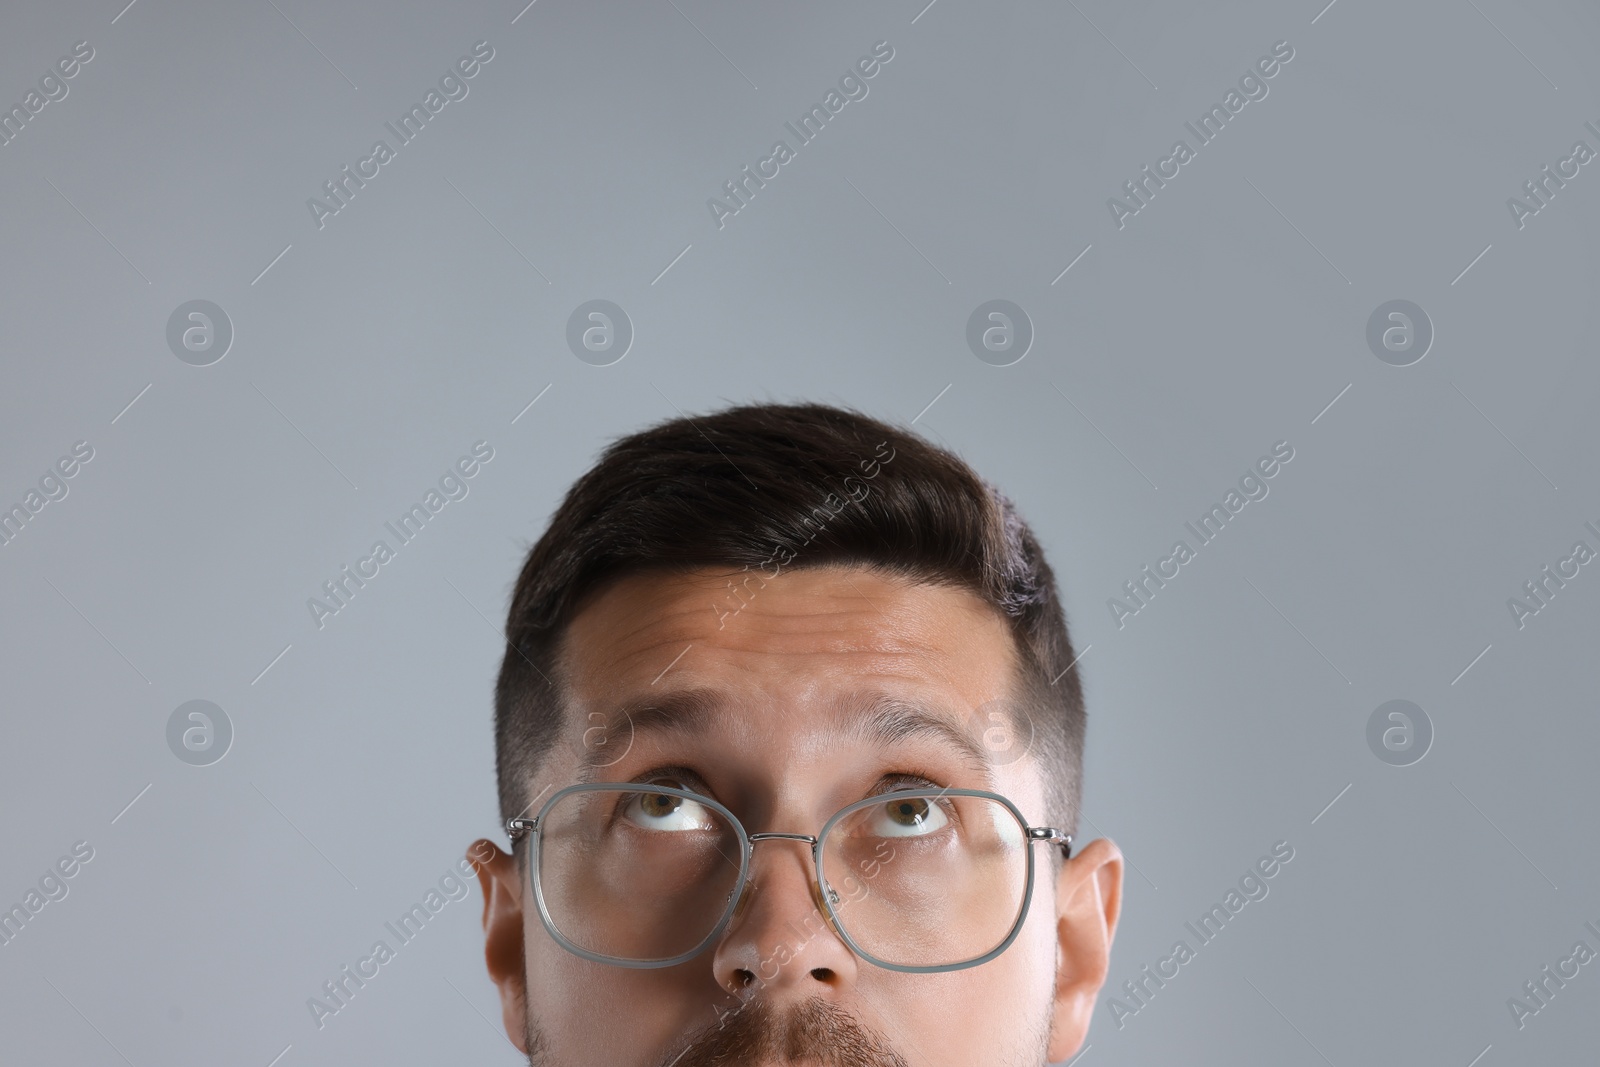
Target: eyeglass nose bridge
[
  {"x": 779, "y": 835},
  {"x": 812, "y": 880}
]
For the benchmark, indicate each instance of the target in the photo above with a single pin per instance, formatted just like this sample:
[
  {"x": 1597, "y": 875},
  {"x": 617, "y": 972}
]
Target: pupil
[
  {"x": 910, "y": 811},
  {"x": 661, "y": 804}
]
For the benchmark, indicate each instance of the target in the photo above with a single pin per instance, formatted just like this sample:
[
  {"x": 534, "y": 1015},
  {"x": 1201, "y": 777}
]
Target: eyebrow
[
  {"x": 687, "y": 712},
  {"x": 881, "y": 720},
  {"x": 887, "y": 720}
]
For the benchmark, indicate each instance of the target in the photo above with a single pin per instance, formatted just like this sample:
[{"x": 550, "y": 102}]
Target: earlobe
[
  {"x": 501, "y": 880},
  {"x": 1088, "y": 904}
]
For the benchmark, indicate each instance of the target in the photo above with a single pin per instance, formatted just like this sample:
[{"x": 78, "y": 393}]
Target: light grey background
[{"x": 369, "y": 354}]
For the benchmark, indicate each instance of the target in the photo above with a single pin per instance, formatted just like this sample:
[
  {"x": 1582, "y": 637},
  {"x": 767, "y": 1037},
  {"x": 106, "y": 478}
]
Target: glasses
[{"x": 644, "y": 875}]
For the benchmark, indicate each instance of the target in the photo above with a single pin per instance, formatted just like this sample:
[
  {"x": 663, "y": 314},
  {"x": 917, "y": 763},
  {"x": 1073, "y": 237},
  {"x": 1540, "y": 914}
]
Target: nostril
[
  {"x": 822, "y": 974},
  {"x": 743, "y": 978}
]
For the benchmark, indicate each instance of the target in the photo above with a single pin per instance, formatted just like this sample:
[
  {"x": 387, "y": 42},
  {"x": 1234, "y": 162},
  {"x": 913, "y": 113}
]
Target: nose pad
[
  {"x": 741, "y": 905},
  {"x": 818, "y": 891}
]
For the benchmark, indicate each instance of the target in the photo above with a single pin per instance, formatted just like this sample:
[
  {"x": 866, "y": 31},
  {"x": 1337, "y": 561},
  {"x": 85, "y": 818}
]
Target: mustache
[{"x": 814, "y": 1031}]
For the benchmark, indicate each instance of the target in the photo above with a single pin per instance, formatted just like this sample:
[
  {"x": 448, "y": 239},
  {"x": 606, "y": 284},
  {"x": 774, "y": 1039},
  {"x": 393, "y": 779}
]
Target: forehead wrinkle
[
  {"x": 652, "y": 613},
  {"x": 648, "y": 634},
  {"x": 884, "y": 720},
  {"x": 619, "y": 639}
]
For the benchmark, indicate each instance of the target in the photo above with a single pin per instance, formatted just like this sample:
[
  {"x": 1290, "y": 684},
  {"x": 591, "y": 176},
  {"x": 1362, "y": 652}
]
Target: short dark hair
[{"x": 785, "y": 485}]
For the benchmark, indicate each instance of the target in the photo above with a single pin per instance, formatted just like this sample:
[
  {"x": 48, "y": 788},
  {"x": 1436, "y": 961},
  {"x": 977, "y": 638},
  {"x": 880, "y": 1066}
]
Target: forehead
[{"x": 802, "y": 645}]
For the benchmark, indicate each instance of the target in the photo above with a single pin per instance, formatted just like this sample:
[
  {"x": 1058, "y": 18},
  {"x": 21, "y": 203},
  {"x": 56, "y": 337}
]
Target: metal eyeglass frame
[{"x": 516, "y": 829}]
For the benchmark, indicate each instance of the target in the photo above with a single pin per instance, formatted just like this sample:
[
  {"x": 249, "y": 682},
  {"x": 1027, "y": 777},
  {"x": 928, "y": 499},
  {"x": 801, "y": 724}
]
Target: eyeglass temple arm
[
  {"x": 517, "y": 828},
  {"x": 1054, "y": 836}
]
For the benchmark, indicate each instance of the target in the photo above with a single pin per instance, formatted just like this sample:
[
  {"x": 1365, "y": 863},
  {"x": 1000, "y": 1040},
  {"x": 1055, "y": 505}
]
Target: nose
[{"x": 780, "y": 942}]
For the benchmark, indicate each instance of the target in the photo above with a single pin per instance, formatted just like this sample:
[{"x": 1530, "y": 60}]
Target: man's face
[{"x": 786, "y": 681}]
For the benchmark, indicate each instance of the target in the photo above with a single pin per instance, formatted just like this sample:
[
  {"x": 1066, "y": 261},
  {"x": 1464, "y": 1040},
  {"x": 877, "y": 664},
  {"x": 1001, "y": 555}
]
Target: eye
[
  {"x": 667, "y": 812},
  {"x": 907, "y": 817}
]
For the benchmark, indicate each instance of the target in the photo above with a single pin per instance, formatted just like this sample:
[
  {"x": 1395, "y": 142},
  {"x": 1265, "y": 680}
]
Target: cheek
[
  {"x": 984, "y": 1014},
  {"x": 593, "y": 1013},
  {"x": 1032, "y": 956}
]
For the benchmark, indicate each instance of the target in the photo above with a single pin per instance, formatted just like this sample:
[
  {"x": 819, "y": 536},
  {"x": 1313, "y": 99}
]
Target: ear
[
  {"x": 502, "y": 933},
  {"x": 1088, "y": 902}
]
